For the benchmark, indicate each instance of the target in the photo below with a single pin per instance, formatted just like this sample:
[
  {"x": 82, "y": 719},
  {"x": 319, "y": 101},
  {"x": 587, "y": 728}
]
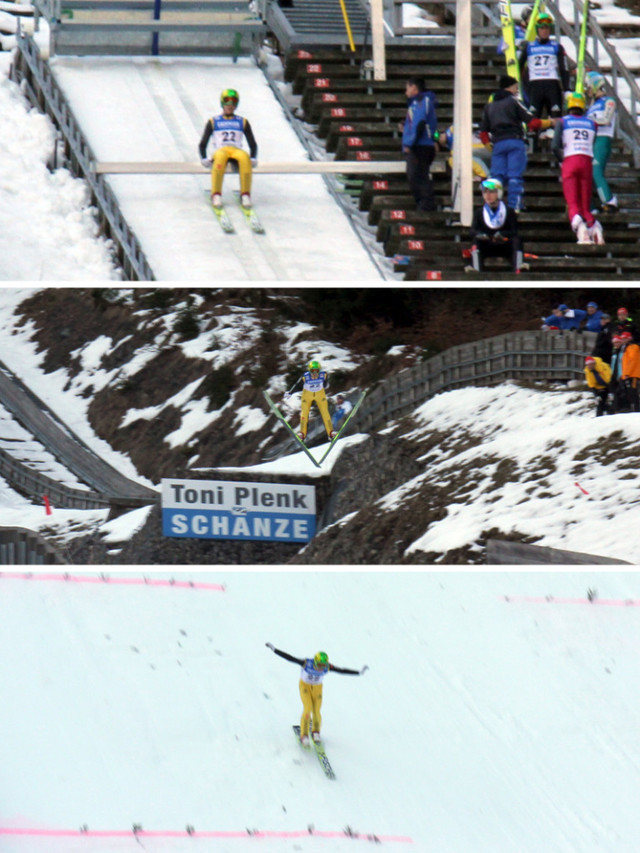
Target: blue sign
[{"x": 218, "y": 509}]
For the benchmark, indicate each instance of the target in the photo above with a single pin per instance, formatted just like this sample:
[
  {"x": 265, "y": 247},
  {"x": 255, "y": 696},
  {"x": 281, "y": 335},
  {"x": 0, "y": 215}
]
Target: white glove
[
  {"x": 270, "y": 646},
  {"x": 206, "y": 162},
  {"x": 364, "y": 669},
  {"x": 254, "y": 162}
]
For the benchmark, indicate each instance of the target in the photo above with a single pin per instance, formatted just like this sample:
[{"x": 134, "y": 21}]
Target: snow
[
  {"x": 567, "y": 454},
  {"x": 483, "y": 724},
  {"x": 156, "y": 110}
]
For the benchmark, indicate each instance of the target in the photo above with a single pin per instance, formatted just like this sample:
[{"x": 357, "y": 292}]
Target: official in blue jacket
[
  {"x": 594, "y": 315},
  {"x": 419, "y": 141}
]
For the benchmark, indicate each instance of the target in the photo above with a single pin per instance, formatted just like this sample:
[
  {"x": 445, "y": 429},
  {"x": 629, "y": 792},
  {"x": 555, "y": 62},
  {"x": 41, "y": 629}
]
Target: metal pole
[
  {"x": 377, "y": 40},
  {"x": 462, "y": 188}
]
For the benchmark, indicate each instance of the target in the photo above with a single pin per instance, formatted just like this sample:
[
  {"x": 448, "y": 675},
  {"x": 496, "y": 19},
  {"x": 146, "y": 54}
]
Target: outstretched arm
[
  {"x": 285, "y": 655},
  {"x": 341, "y": 671}
]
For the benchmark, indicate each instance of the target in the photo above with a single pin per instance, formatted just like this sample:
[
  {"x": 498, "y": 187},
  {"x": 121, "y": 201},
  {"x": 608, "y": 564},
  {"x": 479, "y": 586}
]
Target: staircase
[{"x": 357, "y": 119}]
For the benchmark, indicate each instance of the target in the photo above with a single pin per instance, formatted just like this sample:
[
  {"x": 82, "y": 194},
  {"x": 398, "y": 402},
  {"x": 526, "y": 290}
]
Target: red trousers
[{"x": 577, "y": 186}]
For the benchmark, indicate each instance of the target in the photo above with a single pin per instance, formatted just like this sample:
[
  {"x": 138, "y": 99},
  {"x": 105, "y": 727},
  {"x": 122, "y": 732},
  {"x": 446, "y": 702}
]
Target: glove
[
  {"x": 206, "y": 162},
  {"x": 254, "y": 162},
  {"x": 535, "y": 124},
  {"x": 270, "y": 646},
  {"x": 364, "y": 669},
  {"x": 482, "y": 236}
]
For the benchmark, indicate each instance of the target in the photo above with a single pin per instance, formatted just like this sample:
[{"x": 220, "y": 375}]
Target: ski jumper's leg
[
  {"x": 220, "y": 159},
  {"x": 316, "y": 699},
  {"x": 586, "y": 189},
  {"x": 244, "y": 167},
  {"x": 601, "y": 153},
  {"x": 323, "y": 405},
  {"x": 305, "y": 405},
  {"x": 307, "y": 708},
  {"x": 570, "y": 188}
]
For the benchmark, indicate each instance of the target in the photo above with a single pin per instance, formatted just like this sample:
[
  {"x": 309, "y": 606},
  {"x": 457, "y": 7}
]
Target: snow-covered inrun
[{"x": 499, "y": 713}]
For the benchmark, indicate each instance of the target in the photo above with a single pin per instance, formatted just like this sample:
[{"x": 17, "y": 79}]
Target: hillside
[
  {"x": 172, "y": 380},
  {"x": 499, "y": 713}
]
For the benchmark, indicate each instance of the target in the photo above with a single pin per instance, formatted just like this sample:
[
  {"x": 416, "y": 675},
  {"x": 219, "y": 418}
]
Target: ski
[
  {"x": 320, "y": 752},
  {"x": 582, "y": 48},
  {"x": 296, "y": 731},
  {"x": 276, "y": 411},
  {"x": 250, "y": 215},
  {"x": 530, "y": 33},
  {"x": 509, "y": 39},
  {"x": 342, "y": 428},
  {"x": 223, "y": 218},
  {"x": 221, "y": 215},
  {"x": 322, "y": 758}
]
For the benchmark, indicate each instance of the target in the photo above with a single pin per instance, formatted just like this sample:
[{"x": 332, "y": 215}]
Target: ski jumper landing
[{"x": 312, "y": 673}]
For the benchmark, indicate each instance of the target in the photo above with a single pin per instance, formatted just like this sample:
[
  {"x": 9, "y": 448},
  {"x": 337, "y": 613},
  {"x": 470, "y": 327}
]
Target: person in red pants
[{"x": 573, "y": 143}]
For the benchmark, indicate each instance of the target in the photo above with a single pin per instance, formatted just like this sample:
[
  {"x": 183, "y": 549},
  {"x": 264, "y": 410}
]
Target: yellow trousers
[
  {"x": 311, "y": 695},
  {"x": 320, "y": 399},
  {"x": 220, "y": 160}
]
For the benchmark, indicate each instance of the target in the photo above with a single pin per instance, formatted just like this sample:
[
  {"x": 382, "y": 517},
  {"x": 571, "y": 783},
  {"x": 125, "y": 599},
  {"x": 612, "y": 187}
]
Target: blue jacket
[
  {"x": 420, "y": 122},
  {"x": 593, "y": 321},
  {"x": 566, "y": 322}
]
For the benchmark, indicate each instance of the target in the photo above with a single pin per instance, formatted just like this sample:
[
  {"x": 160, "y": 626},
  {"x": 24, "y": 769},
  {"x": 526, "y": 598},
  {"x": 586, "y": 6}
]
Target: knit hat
[
  {"x": 605, "y": 316},
  {"x": 589, "y": 360},
  {"x": 563, "y": 307},
  {"x": 506, "y": 82},
  {"x": 592, "y": 304}
]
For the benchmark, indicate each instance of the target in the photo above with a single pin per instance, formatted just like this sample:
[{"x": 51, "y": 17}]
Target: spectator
[
  {"x": 624, "y": 323},
  {"x": 565, "y": 318},
  {"x": 603, "y": 347},
  {"x": 619, "y": 402},
  {"x": 343, "y": 407},
  {"x": 593, "y": 317},
  {"x": 573, "y": 146},
  {"x": 545, "y": 63},
  {"x": 598, "y": 375},
  {"x": 554, "y": 320},
  {"x": 494, "y": 230},
  {"x": 481, "y": 155},
  {"x": 630, "y": 370},
  {"x": 419, "y": 141},
  {"x": 502, "y": 124}
]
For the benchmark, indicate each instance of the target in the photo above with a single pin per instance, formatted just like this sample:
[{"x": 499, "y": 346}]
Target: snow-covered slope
[
  {"x": 156, "y": 110},
  {"x": 482, "y": 724}
]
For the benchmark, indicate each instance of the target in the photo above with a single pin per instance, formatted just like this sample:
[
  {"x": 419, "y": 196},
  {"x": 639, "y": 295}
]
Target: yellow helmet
[{"x": 576, "y": 101}]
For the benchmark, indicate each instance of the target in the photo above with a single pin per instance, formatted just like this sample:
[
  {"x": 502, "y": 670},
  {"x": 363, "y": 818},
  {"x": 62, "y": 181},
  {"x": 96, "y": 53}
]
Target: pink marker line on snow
[
  {"x": 111, "y": 579},
  {"x": 591, "y": 602},
  {"x": 192, "y": 833}
]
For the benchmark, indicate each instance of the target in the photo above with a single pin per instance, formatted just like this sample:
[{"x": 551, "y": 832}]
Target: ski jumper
[
  {"x": 228, "y": 133},
  {"x": 418, "y": 144},
  {"x": 313, "y": 391},
  {"x": 548, "y": 75},
  {"x": 310, "y": 686},
  {"x": 573, "y": 144},
  {"x": 603, "y": 112},
  {"x": 494, "y": 233}
]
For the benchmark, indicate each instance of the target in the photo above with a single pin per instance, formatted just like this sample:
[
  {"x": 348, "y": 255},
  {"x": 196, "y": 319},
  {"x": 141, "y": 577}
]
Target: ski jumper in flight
[
  {"x": 312, "y": 673},
  {"x": 228, "y": 132},
  {"x": 314, "y": 382}
]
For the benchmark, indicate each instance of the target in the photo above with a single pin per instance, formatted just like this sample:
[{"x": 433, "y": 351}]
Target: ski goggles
[
  {"x": 229, "y": 100},
  {"x": 493, "y": 186}
]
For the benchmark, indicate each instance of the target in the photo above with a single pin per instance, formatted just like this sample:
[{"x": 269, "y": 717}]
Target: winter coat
[
  {"x": 598, "y": 377},
  {"x": 593, "y": 321},
  {"x": 631, "y": 361},
  {"x": 503, "y": 117},
  {"x": 508, "y": 230},
  {"x": 420, "y": 123},
  {"x": 603, "y": 347}
]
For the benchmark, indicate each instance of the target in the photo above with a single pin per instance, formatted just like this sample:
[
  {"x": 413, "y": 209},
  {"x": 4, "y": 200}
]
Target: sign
[{"x": 219, "y": 509}]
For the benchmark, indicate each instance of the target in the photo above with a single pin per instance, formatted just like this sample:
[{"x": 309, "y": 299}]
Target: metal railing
[
  {"x": 533, "y": 356},
  {"x": 38, "y": 83},
  {"x": 19, "y": 547}
]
